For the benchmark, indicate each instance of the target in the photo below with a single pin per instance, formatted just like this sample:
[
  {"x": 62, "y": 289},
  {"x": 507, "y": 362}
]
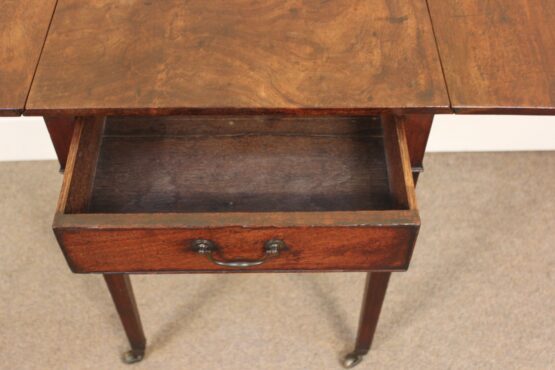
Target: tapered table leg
[
  {"x": 122, "y": 295},
  {"x": 376, "y": 286}
]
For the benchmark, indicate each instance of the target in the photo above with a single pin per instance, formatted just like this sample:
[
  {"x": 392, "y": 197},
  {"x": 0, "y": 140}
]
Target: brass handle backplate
[{"x": 207, "y": 248}]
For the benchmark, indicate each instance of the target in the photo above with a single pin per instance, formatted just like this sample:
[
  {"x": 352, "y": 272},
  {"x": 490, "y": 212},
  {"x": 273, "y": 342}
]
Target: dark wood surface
[
  {"x": 149, "y": 242},
  {"x": 401, "y": 184},
  {"x": 350, "y": 57},
  {"x": 239, "y": 219},
  {"x": 77, "y": 186},
  {"x": 498, "y": 55},
  {"x": 169, "y": 250},
  {"x": 417, "y": 129},
  {"x": 23, "y": 28},
  {"x": 238, "y": 164},
  {"x": 121, "y": 291},
  {"x": 372, "y": 301},
  {"x": 166, "y": 57},
  {"x": 60, "y": 130}
]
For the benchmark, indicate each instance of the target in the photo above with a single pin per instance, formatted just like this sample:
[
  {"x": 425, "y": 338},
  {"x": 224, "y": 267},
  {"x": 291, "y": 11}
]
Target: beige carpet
[{"x": 480, "y": 293}]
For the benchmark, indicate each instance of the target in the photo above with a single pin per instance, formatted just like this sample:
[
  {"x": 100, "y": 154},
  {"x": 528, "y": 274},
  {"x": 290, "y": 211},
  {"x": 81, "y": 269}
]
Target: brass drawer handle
[{"x": 206, "y": 247}]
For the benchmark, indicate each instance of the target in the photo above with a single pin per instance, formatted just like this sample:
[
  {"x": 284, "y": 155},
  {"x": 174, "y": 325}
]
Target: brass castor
[
  {"x": 351, "y": 360},
  {"x": 131, "y": 356}
]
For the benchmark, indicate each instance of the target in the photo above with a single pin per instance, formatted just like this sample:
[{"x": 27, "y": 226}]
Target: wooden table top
[
  {"x": 23, "y": 27},
  {"x": 174, "y": 56},
  {"x": 293, "y": 56},
  {"x": 498, "y": 55}
]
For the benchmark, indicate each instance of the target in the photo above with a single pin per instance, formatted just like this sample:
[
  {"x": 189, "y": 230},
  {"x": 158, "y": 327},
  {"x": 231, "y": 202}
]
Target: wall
[{"x": 26, "y": 138}]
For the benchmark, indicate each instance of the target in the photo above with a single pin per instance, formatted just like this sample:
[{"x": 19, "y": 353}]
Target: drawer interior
[
  {"x": 203, "y": 164},
  {"x": 234, "y": 164}
]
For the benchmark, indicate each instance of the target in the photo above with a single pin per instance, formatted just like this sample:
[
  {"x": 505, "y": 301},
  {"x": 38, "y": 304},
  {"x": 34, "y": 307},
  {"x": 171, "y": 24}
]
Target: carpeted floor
[{"x": 480, "y": 293}]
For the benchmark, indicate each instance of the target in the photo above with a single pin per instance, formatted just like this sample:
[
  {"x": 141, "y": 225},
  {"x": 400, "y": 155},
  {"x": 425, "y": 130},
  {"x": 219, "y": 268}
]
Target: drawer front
[{"x": 321, "y": 248}]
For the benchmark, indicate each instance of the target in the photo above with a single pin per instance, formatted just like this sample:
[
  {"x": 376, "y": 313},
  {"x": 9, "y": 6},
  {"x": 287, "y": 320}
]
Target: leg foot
[
  {"x": 124, "y": 300},
  {"x": 351, "y": 360},
  {"x": 131, "y": 357},
  {"x": 376, "y": 285}
]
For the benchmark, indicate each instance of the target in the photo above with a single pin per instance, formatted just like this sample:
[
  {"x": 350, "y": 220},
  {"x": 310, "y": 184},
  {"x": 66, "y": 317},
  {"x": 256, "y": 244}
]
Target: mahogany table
[{"x": 276, "y": 135}]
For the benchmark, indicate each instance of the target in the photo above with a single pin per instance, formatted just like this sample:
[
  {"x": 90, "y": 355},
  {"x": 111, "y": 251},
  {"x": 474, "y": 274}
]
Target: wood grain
[
  {"x": 395, "y": 218},
  {"x": 498, "y": 55},
  {"x": 121, "y": 291},
  {"x": 60, "y": 130},
  {"x": 231, "y": 164},
  {"x": 174, "y": 57},
  {"x": 417, "y": 130},
  {"x": 401, "y": 183},
  {"x": 82, "y": 158},
  {"x": 372, "y": 302},
  {"x": 23, "y": 28},
  {"x": 169, "y": 250}
]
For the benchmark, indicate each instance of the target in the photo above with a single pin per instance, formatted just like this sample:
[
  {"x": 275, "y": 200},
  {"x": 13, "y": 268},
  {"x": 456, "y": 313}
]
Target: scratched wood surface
[
  {"x": 498, "y": 55},
  {"x": 138, "y": 57},
  {"x": 23, "y": 27}
]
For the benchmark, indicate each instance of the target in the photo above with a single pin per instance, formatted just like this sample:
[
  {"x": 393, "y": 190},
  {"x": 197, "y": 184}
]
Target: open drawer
[{"x": 250, "y": 193}]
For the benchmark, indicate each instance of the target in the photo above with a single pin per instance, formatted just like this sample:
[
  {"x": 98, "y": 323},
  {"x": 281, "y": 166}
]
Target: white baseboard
[
  {"x": 469, "y": 133},
  {"x": 26, "y": 138}
]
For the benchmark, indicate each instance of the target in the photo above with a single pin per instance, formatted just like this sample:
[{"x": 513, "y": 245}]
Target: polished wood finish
[
  {"x": 302, "y": 58},
  {"x": 23, "y": 28},
  {"x": 498, "y": 55},
  {"x": 77, "y": 185},
  {"x": 330, "y": 238},
  {"x": 372, "y": 302},
  {"x": 401, "y": 183},
  {"x": 121, "y": 291},
  {"x": 176, "y": 57},
  {"x": 61, "y": 132},
  {"x": 417, "y": 129},
  {"x": 354, "y": 248}
]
